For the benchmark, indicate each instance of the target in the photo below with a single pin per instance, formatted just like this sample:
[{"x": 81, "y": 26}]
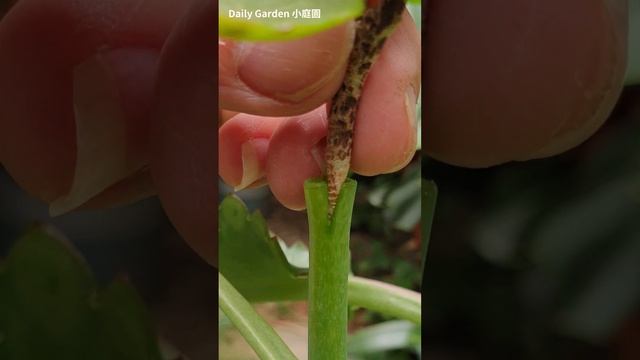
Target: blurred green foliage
[
  {"x": 399, "y": 198},
  {"x": 377, "y": 342},
  {"x": 389, "y": 212},
  {"x": 539, "y": 259},
  {"x": 51, "y": 308}
]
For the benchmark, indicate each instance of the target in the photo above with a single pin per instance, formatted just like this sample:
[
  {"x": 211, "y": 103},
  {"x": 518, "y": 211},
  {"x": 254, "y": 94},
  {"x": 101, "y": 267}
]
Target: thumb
[{"x": 283, "y": 78}]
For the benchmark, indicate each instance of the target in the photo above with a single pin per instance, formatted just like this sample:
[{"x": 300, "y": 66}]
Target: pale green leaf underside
[
  {"x": 332, "y": 13},
  {"x": 386, "y": 336}
]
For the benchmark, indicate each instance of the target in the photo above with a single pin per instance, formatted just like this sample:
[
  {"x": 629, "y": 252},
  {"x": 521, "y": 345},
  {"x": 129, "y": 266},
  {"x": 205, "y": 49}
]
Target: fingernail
[
  {"x": 101, "y": 158},
  {"x": 410, "y": 101},
  {"x": 318, "y": 154},
  {"x": 291, "y": 71},
  {"x": 254, "y": 158}
]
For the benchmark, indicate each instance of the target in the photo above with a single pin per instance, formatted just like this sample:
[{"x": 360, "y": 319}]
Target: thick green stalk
[
  {"x": 329, "y": 264},
  {"x": 385, "y": 298},
  {"x": 260, "y": 336}
]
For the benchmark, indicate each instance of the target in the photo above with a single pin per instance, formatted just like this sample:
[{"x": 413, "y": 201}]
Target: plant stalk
[
  {"x": 372, "y": 30},
  {"x": 260, "y": 335},
  {"x": 385, "y": 298},
  {"x": 329, "y": 265}
]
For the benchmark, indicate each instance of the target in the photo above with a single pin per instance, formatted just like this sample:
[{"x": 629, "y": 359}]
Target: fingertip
[
  {"x": 242, "y": 149},
  {"x": 539, "y": 84},
  {"x": 283, "y": 78},
  {"x": 43, "y": 44},
  {"x": 386, "y": 126},
  {"x": 296, "y": 153}
]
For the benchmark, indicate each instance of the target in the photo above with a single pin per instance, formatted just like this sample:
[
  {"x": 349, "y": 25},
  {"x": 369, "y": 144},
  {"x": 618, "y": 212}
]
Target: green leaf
[
  {"x": 50, "y": 307},
  {"x": 124, "y": 329},
  {"x": 255, "y": 330},
  {"x": 252, "y": 260},
  {"x": 223, "y": 321},
  {"x": 260, "y": 28},
  {"x": 255, "y": 263},
  {"x": 45, "y": 295},
  {"x": 386, "y": 336}
]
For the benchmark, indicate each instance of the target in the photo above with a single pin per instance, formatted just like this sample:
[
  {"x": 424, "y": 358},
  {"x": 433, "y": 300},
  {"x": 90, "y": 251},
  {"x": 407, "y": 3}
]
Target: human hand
[
  {"x": 519, "y": 80},
  {"x": 496, "y": 91},
  {"x": 280, "y": 91},
  {"x": 99, "y": 106}
]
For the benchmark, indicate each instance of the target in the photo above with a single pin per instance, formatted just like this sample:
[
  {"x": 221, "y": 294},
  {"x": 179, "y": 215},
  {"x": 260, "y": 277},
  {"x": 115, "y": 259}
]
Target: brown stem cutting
[{"x": 373, "y": 29}]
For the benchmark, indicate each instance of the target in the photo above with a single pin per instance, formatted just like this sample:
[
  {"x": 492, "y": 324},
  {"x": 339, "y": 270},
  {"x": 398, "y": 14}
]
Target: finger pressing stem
[{"x": 373, "y": 29}]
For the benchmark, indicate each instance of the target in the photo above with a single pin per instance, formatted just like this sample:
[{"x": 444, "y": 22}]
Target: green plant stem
[
  {"x": 260, "y": 336},
  {"x": 329, "y": 264},
  {"x": 385, "y": 298}
]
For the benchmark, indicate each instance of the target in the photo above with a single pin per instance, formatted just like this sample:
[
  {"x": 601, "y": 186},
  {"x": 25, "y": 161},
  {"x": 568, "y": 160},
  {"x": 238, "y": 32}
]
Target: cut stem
[
  {"x": 329, "y": 264},
  {"x": 260, "y": 335}
]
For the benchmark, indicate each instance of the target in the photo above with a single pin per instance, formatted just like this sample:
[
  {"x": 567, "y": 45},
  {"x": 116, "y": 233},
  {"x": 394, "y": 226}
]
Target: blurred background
[
  {"x": 541, "y": 259},
  {"x": 178, "y": 288},
  {"x": 534, "y": 260}
]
